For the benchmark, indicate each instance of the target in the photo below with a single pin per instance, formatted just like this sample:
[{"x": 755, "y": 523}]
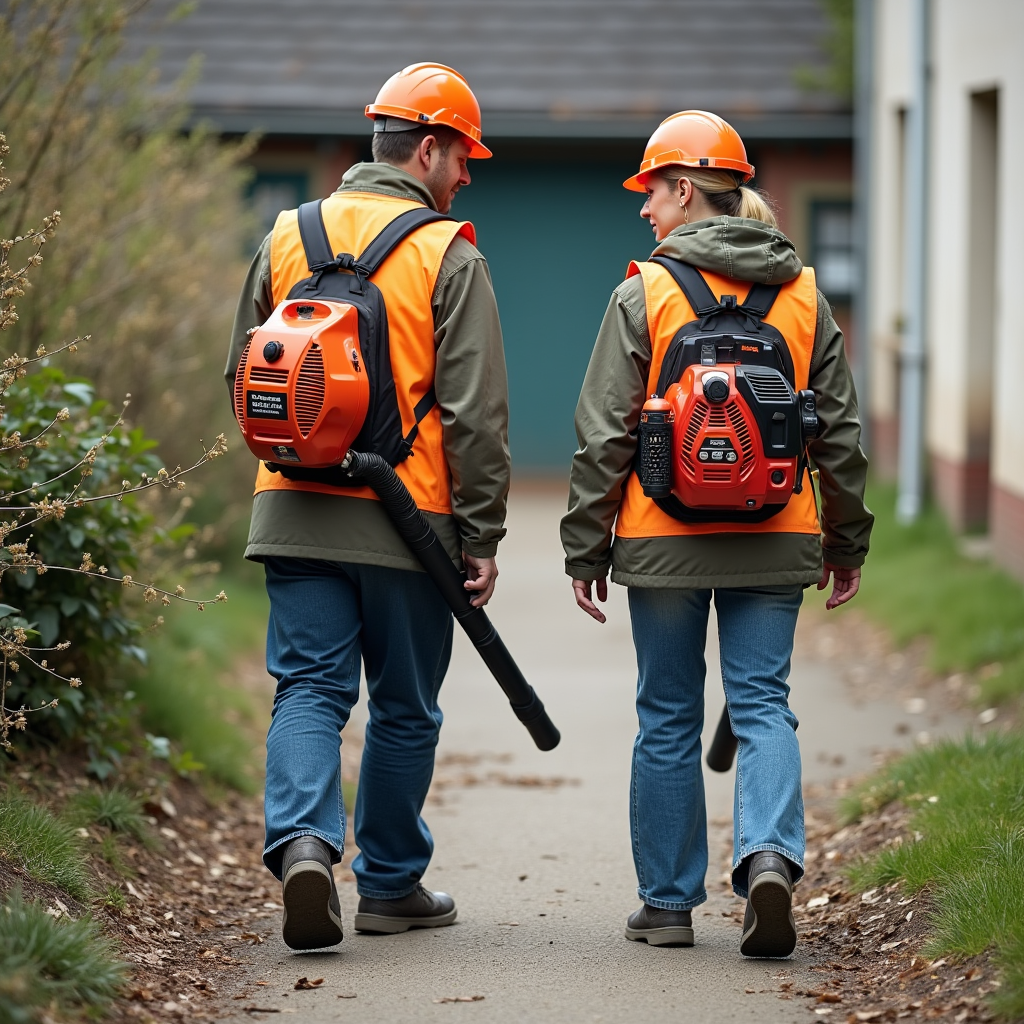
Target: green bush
[
  {"x": 103, "y": 625},
  {"x": 44, "y": 846},
  {"x": 965, "y": 844},
  {"x": 51, "y": 968}
]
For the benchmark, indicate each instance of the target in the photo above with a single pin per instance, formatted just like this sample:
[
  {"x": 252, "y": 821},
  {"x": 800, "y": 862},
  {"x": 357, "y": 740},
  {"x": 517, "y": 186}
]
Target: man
[{"x": 342, "y": 583}]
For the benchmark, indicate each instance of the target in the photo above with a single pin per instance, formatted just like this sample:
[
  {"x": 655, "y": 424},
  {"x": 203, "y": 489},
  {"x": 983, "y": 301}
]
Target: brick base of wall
[
  {"x": 885, "y": 448},
  {"x": 962, "y": 492},
  {"x": 1007, "y": 518}
]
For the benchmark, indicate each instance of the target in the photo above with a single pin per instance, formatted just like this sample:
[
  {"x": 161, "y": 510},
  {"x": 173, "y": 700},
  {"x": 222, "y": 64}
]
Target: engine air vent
[
  {"x": 309, "y": 390},
  {"x": 739, "y": 424},
  {"x": 240, "y": 386},
  {"x": 700, "y": 414},
  {"x": 266, "y": 375},
  {"x": 768, "y": 385},
  {"x": 717, "y": 476}
]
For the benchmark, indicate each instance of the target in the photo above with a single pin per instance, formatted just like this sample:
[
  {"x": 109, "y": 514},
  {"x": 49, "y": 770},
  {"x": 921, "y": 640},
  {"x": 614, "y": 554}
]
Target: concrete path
[{"x": 535, "y": 847}]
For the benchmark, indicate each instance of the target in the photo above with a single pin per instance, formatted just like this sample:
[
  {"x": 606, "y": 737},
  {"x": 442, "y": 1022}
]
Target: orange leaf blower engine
[
  {"x": 301, "y": 389},
  {"x": 726, "y": 441}
]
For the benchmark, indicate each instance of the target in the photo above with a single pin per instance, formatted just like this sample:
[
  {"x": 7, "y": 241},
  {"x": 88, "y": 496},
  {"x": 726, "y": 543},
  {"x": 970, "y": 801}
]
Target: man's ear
[{"x": 425, "y": 149}]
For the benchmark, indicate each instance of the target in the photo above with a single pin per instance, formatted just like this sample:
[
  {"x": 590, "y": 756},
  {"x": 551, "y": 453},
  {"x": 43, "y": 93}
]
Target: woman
[{"x": 755, "y": 567}]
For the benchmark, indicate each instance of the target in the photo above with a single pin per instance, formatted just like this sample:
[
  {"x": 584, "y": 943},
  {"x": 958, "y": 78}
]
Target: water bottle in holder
[{"x": 654, "y": 455}]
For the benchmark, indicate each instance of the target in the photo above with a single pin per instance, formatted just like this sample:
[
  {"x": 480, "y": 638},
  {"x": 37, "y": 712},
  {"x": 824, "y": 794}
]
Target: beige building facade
[{"x": 974, "y": 420}]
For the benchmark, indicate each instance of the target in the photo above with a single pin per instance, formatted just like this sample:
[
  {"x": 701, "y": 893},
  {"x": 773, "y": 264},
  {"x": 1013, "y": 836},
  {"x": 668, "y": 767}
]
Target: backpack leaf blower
[
  {"x": 724, "y": 438},
  {"x": 315, "y": 398}
]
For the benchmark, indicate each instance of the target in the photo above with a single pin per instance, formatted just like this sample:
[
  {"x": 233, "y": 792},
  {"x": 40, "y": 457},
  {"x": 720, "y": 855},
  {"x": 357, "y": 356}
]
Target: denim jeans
[
  {"x": 324, "y": 618},
  {"x": 668, "y": 819}
]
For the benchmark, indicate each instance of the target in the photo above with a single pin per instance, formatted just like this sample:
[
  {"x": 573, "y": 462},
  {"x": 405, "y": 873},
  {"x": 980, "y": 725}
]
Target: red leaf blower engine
[{"x": 315, "y": 399}]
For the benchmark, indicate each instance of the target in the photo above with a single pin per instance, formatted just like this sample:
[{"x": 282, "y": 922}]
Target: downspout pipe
[
  {"x": 913, "y": 348},
  {"x": 863, "y": 156}
]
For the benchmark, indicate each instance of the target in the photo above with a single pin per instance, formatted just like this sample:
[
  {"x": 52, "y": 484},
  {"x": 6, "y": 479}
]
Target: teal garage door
[{"x": 558, "y": 235}]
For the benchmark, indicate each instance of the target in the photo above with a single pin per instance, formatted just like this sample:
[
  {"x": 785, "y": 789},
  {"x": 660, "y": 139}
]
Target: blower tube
[
  {"x": 414, "y": 529},
  {"x": 723, "y": 746}
]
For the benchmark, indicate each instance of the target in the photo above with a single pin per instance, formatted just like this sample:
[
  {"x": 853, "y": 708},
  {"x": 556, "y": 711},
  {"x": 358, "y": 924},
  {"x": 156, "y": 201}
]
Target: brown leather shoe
[
  {"x": 768, "y": 926},
  {"x": 420, "y": 909},
  {"x": 660, "y": 927},
  {"x": 312, "y": 912}
]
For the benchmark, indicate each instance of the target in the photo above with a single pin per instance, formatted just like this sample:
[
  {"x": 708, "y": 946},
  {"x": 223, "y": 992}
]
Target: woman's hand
[
  {"x": 845, "y": 583},
  {"x": 582, "y": 591},
  {"x": 481, "y": 575}
]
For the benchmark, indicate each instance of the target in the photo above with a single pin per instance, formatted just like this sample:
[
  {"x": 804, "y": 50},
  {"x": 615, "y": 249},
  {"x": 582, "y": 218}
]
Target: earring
[{"x": 686, "y": 212}]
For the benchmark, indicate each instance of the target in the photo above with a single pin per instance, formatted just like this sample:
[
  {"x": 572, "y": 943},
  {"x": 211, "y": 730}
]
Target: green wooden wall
[{"x": 557, "y": 235}]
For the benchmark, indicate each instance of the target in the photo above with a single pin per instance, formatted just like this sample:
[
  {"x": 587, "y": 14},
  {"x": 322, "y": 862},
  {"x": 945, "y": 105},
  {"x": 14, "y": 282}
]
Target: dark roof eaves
[{"x": 280, "y": 121}]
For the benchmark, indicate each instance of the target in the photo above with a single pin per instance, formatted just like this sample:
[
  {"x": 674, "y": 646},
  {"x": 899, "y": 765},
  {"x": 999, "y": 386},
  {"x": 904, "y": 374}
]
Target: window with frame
[
  {"x": 832, "y": 249},
  {"x": 274, "y": 191}
]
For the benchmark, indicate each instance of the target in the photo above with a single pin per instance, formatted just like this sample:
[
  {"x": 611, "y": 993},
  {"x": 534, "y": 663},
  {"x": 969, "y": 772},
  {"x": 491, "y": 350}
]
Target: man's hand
[
  {"x": 482, "y": 574},
  {"x": 582, "y": 591},
  {"x": 846, "y": 583}
]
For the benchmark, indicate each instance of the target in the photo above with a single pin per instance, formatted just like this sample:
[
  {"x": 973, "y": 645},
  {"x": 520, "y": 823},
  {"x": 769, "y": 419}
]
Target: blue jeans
[
  {"x": 668, "y": 819},
  {"x": 324, "y": 618}
]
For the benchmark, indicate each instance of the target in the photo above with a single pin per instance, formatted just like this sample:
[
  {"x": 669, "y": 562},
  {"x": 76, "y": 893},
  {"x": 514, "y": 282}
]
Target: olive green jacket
[
  {"x": 472, "y": 391},
  {"x": 608, "y": 412}
]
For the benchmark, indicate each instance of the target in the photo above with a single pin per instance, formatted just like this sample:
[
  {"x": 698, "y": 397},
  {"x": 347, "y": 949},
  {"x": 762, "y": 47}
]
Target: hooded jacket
[
  {"x": 472, "y": 392},
  {"x": 608, "y": 413}
]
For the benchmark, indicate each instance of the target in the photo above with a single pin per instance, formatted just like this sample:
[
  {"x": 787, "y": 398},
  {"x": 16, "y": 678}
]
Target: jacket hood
[
  {"x": 387, "y": 180},
  {"x": 746, "y": 250}
]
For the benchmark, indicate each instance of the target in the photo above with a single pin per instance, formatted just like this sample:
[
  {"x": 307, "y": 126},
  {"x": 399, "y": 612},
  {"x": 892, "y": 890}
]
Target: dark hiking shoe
[
  {"x": 420, "y": 909},
  {"x": 312, "y": 913},
  {"x": 768, "y": 926},
  {"x": 660, "y": 927}
]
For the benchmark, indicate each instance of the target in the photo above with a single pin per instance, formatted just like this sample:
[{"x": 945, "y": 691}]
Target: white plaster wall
[
  {"x": 975, "y": 46},
  {"x": 892, "y": 86}
]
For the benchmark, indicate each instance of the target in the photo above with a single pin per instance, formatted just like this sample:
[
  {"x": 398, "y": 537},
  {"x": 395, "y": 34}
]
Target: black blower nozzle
[
  {"x": 414, "y": 529},
  {"x": 723, "y": 746}
]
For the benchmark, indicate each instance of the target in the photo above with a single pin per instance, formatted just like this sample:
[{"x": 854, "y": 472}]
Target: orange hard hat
[
  {"x": 693, "y": 138},
  {"x": 432, "y": 94}
]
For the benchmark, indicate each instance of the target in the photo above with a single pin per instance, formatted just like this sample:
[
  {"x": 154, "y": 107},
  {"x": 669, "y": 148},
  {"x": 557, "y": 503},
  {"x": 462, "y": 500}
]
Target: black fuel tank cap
[{"x": 272, "y": 351}]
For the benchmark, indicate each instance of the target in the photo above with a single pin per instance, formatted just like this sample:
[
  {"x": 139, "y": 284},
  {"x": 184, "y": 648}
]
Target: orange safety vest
[
  {"x": 406, "y": 279},
  {"x": 795, "y": 315}
]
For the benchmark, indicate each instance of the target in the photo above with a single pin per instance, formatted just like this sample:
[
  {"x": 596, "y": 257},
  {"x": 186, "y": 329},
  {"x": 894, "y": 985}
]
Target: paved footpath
[{"x": 535, "y": 847}]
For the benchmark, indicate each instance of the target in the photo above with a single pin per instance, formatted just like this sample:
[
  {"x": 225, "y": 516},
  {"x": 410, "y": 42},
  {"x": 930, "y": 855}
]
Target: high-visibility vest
[
  {"x": 406, "y": 279},
  {"x": 795, "y": 314}
]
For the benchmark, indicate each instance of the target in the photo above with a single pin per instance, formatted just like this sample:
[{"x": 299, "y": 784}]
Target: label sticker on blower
[
  {"x": 266, "y": 405},
  {"x": 284, "y": 453}
]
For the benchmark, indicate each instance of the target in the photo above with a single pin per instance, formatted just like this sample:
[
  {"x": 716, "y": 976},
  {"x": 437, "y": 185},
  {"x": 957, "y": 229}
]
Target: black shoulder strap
[
  {"x": 318, "y": 246},
  {"x": 401, "y": 227},
  {"x": 758, "y": 302},
  {"x": 700, "y": 297},
  {"x": 423, "y": 406},
  {"x": 760, "y": 299},
  {"x": 314, "y": 236}
]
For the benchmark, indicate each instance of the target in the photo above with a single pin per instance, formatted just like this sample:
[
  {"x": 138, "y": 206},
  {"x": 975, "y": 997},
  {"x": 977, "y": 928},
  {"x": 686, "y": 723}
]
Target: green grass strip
[
  {"x": 184, "y": 693},
  {"x": 965, "y": 844},
  {"x": 52, "y": 968},
  {"x": 917, "y": 583},
  {"x": 45, "y": 846}
]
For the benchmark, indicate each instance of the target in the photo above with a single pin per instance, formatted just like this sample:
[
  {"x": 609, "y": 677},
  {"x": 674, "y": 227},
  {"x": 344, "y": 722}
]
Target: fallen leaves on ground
[
  {"x": 305, "y": 983},
  {"x": 459, "y": 999}
]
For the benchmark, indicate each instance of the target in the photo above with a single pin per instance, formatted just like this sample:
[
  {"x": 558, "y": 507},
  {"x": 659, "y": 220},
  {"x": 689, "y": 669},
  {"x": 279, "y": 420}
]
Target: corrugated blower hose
[{"x": 414, "y": 529}]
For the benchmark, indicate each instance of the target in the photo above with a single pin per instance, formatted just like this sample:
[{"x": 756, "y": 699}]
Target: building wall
[{"x": 975, "y": 418}]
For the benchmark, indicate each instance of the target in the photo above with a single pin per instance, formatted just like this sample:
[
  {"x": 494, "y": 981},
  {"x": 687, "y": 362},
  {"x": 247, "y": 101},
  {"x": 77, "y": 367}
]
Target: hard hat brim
[
  {"x": 638, "y": 182},
  {"x": 450, "y": 119}
]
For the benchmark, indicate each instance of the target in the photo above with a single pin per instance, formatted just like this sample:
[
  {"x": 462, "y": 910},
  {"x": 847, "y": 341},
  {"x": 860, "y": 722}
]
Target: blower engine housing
[
  {"x": 301, "y": 388},
  {"x": 726, "y": 438}
]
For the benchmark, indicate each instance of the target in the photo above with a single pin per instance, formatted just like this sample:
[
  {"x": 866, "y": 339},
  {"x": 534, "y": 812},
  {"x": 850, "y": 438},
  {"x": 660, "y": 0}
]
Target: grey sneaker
[
  {"x": 660, "y": 927},
  {"x": 312, "y": 912},
  {"x": 768, "y": 926},
  {"x": 420, "y": 909}
]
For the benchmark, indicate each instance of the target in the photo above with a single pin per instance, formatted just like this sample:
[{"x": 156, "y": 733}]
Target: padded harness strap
[
  {"x": 755, "y": 306},
  {"x": 423, "y": 406},
  {"x": 317, "y": 245}
]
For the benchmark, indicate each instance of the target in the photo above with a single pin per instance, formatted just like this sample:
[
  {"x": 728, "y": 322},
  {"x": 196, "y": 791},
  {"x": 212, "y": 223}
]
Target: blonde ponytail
[{"x": 723, "y": 190}]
